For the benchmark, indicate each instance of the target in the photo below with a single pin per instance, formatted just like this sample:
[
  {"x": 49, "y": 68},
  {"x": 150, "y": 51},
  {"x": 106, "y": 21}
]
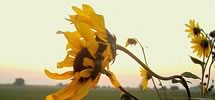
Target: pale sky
[{"x": 29, "y": 43}]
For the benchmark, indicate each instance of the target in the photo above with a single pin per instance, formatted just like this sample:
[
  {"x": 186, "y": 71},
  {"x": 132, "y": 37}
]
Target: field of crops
[{"x": 10, "y": 92}]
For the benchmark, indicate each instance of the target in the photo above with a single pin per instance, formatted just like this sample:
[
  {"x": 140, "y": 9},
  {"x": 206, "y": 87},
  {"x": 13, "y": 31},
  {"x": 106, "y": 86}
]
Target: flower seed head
[{"x": 212, "y": 34}]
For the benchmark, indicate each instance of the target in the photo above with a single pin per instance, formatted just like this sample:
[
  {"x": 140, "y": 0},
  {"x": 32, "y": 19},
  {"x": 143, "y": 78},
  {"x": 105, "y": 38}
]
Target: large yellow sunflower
[
  {"x": 145, "y": 78},
  {"x": 89, "y": 50},
  {"x": 193, "y": 29},
  {"x": 201, "y": 45}
]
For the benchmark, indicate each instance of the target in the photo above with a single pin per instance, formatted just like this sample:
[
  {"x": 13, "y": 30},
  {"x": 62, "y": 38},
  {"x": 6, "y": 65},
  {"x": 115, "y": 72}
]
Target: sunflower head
[
  {"x": 90, "y": 48},
  {"x": 212, "y": 34},
  {"x": 201, "y": 46},
  {"x": 145, "y": 78},
  {"x": 193, "y": 29}
]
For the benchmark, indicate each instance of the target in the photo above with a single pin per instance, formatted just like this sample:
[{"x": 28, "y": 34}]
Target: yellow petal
[
  {"x": 88, "y": 10},
  {"x": 67, "y": 62},
  {"x": 67, "y": 92},
  {"x": 144, "y": 84},
  {"x": 88, "y": 35},
  {"x": 79, "y": 12},
  {"x": 74, "y": 18},
  {"x": 95, "y": 81},
  {"x": 88, "y": 62},
  {"x": 74, "y": 40},
  {"x": 57, "y": 76},
  {"x": 49, "y": 97},
  {"x": 85, "y": 31},
  {"x": 84, "y": 89},
  {"x": 86, "y": 72}
]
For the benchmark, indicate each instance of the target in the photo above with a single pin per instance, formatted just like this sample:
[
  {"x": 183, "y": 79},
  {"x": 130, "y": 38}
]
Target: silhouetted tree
[
  {"x": 19, "y": 82},
  {"x": 174, "y": 88}
]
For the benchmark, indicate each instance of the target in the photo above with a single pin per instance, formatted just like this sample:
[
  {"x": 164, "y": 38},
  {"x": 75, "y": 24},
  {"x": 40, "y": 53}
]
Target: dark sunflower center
[
  {"x": 78, "y": 61},
  {"x": 196, "y": 31},
  {"x": 204, "y": 44}
]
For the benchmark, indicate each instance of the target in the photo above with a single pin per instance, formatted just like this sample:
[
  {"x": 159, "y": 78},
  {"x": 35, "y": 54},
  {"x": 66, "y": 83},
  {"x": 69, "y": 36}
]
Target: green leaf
[
  {"x": 189, "y": 75},
  {"x": 197, "y": 61},
  {"x": 176, "y": 81},
  {"x": 179, "y": 81}
]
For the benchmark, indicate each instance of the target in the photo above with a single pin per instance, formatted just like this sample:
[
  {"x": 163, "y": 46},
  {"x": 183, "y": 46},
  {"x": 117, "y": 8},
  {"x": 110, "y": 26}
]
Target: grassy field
[{"x": 9, "y": 92}]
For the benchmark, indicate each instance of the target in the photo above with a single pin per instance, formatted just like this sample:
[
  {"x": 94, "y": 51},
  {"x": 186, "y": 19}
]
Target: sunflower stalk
[
  {"x": 184, "y": 83},
  {"x": 209, "y": 70}
]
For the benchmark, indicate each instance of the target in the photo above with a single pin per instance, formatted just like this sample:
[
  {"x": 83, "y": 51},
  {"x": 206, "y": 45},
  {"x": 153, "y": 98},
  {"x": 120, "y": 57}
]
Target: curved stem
[{"x": 153, "y": 73}]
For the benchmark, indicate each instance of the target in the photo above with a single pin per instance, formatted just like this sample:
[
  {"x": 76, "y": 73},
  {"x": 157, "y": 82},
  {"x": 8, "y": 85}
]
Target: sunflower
[
  {"x": 145, "y": 78},
  {"x": 193, "y": 29},
  {"x": 201, "y": 45},
  {"x": 89, "y": 51}
]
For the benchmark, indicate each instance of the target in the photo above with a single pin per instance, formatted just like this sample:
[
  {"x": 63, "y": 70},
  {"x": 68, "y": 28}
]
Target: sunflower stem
[
  {"x": 203, "y": 70},
  {"x": 144, "y": 54},
  {"x": 184, "y": 83},
  {"x": 209, "y": 70},
  {"x": 163, "y": 89},
  {"x": 156, "y": 89}
]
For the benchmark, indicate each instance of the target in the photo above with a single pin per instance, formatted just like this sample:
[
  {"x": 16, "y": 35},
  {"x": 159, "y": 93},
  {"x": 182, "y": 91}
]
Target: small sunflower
[
  {"x": 145, "y": 78},
  {"x": 193, "y": 29},
  {"x": 89, "y": 50},
  {"x": 201, "y": 45}
]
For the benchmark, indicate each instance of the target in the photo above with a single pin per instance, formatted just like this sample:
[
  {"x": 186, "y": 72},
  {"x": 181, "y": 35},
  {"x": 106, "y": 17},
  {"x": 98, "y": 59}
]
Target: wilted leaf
[
  {"x": 189, "y": 75},
  {"x": 197, "y": 61}
]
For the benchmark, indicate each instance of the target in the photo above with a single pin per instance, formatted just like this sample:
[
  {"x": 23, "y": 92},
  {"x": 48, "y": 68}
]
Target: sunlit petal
[{"x": 57, "y": 76}]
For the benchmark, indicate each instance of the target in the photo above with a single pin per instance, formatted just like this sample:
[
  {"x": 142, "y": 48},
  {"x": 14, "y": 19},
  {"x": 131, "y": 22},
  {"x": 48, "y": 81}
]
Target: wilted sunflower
[
  {"x": 201, "y": 45},
  {"x": 89, "y": 51},
  {"x": 193, "y": 29},
  {"x": 131, "y": 41},
  {"x": 145, "y": 78}
]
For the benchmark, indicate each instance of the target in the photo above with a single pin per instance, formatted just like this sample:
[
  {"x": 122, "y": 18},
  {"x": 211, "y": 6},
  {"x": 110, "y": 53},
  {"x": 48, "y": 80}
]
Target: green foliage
[
  {"x": 189, "y": 75},
  {"x": 197, "y": 61}
]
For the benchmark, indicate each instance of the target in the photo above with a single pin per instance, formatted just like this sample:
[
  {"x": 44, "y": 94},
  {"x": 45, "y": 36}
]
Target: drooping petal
[
  {"x": 84, "y": 89},
  {"x": 67, "y": 62},
  {"x": 65, "y": 93},
  {"x": 57, "y": 76},
  {"x": 88, "y": 35},
  {"x": 86, "y": 72},
  {"x": 74, "y": 40},
  {"x": 88, "y": 62}
]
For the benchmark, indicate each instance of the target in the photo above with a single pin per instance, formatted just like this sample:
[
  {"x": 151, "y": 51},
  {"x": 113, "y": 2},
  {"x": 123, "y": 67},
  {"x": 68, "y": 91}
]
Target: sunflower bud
[
  {"x": 125, "y": 97},
  {"x": 131, "y": 41},
  {"x": 209, "y": 89},
  {"x": 206, "y": 76},
  {"x": 205, "y": 84},
  {"x": 212, "y": 34}
]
